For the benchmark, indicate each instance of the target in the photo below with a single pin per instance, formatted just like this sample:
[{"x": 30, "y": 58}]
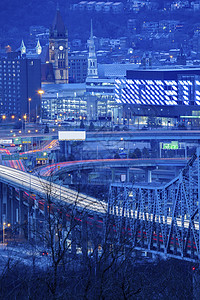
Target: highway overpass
[{"x": 136, "y": 135}]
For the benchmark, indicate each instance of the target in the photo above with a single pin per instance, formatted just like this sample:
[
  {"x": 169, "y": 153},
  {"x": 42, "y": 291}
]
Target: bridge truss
[{"x": 161, "y": 219}]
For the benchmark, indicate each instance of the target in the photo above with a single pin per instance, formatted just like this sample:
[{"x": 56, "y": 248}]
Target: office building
[
  {"x": 78, "y": 67},
  {"x": 20, "y": 81}
]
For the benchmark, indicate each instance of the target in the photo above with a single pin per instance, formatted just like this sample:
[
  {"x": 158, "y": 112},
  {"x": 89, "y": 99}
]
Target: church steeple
[
  {"x": 92, "y": 58},
  {"x": 38, "y": 48},
  {"x": 91, "y": 31},
  {"x": 22, "y": 48},
  {"x": 58, "y": 48}
]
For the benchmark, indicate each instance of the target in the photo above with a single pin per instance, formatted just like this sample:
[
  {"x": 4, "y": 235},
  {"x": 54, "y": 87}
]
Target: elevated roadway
[
  {"x": 145, "y": 135},
  {"x": 111, "y": 163},
  {"x": 32, "y": 184},
  {"x": 177, "y": 233},
  {"x": 136, "y": 135}
]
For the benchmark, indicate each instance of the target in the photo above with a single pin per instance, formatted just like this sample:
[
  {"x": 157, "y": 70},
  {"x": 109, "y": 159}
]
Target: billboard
[
  {"x": 71, "y": 135},
  {"x": 6, "y": 141}
]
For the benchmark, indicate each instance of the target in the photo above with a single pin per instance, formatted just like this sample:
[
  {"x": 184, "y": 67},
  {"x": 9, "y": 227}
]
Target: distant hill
[{"x": 16, "y": 16}]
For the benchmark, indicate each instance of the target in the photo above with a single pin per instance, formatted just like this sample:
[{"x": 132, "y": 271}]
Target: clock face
[{"x": 61, "y": 48}]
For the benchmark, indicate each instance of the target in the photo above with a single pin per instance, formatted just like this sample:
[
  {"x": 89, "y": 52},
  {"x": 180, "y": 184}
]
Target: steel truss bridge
[{"x": 161, "y": 219}]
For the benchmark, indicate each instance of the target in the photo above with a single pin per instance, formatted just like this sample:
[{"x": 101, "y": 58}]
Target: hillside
[{"x": 16, "y": 16}]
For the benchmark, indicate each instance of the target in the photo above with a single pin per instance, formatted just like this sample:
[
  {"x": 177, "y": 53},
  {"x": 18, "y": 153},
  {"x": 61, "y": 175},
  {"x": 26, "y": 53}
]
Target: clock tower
[{"x": 58, "y": 49}]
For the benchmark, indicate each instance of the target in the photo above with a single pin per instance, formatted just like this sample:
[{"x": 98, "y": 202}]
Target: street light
[
  {"x": 40, "y": 92},
  {"x": 4, "y": 225},
  {"x": 29, "y": 109},
  {"x": 25, "y": 117}
]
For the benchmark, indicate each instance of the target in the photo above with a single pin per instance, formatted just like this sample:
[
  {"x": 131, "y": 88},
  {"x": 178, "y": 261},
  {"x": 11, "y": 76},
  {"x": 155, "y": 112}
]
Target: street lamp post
[
  {"x": 25, "y": 117},
  {"x": 40, "y": 92},
  {"x": 4, "y": 225},
  {"x": 29, "y": 109}
]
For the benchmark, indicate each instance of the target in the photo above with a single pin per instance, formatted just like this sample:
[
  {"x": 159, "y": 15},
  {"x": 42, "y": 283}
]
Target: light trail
[{"x": 43, "y": 187}]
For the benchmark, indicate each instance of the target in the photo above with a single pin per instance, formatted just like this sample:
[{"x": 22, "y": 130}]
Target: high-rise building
[
  {"x": 58, "y": 49},
  {"x": 78, "y": 67},
  {"x": 20, "y": 81}
]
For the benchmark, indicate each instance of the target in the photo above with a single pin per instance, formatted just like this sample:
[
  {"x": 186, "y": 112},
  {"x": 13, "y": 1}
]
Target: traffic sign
[
  {"x": 23, "y": 157},
  {"x": 171, "y": 146},
  {"x": 10, "y": 157},
  {"x": 26, "y": 140},
  {"x": 17, "y": 141}
]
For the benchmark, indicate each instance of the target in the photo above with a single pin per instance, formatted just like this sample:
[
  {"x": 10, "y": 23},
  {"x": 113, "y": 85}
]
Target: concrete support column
[
  {"x": 127, "y": 175},
  {"x": 21, "y": 213},
  {"x": 177, "y": 171},
  {"x": 113, "y": 175},
  {"x": 73, "y": 233},
  {"x": 1, "y": 203},
  {"x": 84, "y": 233},
  {"x": 6, "y": 204},
  {"x": 35, "y": 220},
  {"x": 95, "y": 237},
  {"x": 13, "y": 211},
  {"x": 9, "y": 205},
  {"x": 45, "y": 226},
  {"x": 29, "y": 217},
  {"x": 148, "y": 175},
  {"x": 68, "y": 149}
]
